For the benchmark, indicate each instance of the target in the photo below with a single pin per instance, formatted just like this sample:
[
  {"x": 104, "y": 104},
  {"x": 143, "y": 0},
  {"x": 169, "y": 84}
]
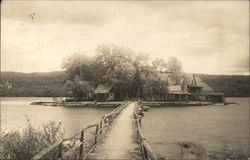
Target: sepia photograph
[{"x": 124, "y": 80}]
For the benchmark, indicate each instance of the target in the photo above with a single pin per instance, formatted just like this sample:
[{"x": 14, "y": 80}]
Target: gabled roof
[
  {"x": 188, "y": 80},
  {"x": 194, "y": 81},
  {"x": 206, "y": 89},
  {"x": 103, "y": 88}
]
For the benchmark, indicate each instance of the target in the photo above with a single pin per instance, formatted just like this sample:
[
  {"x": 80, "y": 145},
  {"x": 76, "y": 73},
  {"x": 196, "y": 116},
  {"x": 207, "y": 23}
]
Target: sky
[{"x": 210, "y": 37}]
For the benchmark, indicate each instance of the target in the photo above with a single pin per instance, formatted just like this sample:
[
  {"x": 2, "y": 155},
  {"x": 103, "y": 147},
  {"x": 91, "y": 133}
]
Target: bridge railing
[
  {"x": 147, "y": 152},
  {"x": 80, "y": 145}
]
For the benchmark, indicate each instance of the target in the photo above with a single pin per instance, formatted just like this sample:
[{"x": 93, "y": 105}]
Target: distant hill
[
  {"x": 232, "y": 86},
  {"x": 15, "y": 84},
  {"x": 32, "y": 84}
]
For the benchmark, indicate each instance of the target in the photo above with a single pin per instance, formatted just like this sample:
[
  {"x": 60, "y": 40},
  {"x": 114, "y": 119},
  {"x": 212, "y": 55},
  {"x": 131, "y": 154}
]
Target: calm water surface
[
  {"x": 210, "y": 126},
  {"x": 16, "y": 111}
]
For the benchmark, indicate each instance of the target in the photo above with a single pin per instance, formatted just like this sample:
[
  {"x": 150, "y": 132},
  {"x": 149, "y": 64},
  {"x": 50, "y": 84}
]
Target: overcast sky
[{"x": 208, "y": 37}]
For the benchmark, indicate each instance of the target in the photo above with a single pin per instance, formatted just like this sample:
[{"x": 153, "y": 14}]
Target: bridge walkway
[
  {"x": 117, "y": 135},
  {"x": 120, "y": 142}
]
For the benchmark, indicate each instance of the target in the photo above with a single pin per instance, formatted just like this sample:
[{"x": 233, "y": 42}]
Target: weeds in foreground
[{"x": 25, "y": 144}]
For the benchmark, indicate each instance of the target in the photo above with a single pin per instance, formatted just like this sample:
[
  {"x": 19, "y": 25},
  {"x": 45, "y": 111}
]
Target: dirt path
[{"x": 120, "y": 140}]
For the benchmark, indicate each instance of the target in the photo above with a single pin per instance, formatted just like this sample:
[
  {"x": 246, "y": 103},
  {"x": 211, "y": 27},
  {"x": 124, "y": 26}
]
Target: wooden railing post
[
  {"x": 147, "y": 155},
  {"x": 96, "y": 133},
  {"x": 60, "y": 151},
  {"x": 105, "y": 121},
  {"x": 110, "y": 119},
  {"x": 147, "y": 152},
  {"x": 143, "y": 152},
  {"x": 101, "y": 126},
  {"x": 141, "y": 110},
  {"x": 81, "y": 146}
]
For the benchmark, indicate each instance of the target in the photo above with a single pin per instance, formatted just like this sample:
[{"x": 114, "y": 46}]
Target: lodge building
[
  {"x": 195, "y": 89},
  {"x": 191, "y": 88}
]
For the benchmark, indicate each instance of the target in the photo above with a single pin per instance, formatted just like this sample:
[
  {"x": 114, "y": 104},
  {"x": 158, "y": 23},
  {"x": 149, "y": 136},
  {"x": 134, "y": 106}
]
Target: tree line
[
  {"x": 230, "y": 85},
  {"x": 15, "y": 84},
  {"x": 52, "y": 84},
  {"x": 133, "y": 74}
]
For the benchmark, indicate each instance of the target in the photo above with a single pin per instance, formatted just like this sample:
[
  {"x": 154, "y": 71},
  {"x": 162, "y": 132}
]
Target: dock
[
  {"x": 117, "y": 135},
  {"x": 120, "y": 142},
  {"x": 173, "y": 104},
  {"x": 117, "y": 103},
  {"x": 80, "y": 104}
]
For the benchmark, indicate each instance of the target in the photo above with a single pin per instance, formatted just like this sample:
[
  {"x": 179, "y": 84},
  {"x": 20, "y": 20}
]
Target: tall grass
[{"x": 25, "y": 144}]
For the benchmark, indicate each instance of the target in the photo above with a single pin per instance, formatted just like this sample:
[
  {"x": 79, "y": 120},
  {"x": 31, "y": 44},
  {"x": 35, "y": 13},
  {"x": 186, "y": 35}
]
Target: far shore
[{"x": 117, "y": 103}]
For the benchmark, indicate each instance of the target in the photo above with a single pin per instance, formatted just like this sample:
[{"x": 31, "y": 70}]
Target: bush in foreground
[{"x": 26, "y": 144}]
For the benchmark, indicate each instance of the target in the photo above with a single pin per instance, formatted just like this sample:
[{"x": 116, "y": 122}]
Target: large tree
[
  {"x": 175, "y": 68},
  {"x": 78, "y": 65},
  {"x": 128, "y": 71},
  {"x": 117, "y": 66},
  {"x": 160, "y": 65}
]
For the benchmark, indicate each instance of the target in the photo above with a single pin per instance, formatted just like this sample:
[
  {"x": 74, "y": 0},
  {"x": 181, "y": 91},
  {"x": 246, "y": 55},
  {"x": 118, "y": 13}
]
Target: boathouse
[
  {"x": 200, "y": 90},
  {"x": 104, "y": 92}
]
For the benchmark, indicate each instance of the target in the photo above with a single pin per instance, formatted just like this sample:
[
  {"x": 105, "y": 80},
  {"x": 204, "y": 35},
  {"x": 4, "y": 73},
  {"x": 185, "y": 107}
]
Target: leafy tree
[
  {"x": 117, "y": 64},
  {"x": 160, "y": 65},
  {"x": 78, "y": 65},
  {"x": 174, "y": 66},
  {"x": 128, "y": 71}
]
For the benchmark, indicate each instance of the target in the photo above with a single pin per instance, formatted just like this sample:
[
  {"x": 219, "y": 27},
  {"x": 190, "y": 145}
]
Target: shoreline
[{"x": 117, "y": 103}]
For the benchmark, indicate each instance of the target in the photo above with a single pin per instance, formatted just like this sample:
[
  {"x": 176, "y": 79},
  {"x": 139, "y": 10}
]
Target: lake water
[
  {"x": 16, "y": 111},
  {"x": 210, "y": 126}
]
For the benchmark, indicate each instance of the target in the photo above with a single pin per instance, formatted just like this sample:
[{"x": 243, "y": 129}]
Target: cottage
[
  {"x": 200, "y": 90},
  {"x": 104, "y": 92}
]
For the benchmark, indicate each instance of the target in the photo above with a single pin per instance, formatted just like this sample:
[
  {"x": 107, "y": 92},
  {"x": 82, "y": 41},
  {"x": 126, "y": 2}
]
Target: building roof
[
  {"x": 206, "y": 89},
  {"x": 194, "y": 81},
  {"x": 103, "y": 88},
  {"x": 176, "y": 89}
]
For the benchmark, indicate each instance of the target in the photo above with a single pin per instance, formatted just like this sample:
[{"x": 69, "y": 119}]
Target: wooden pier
[
  {"x": 116, "y": 136},
  {"x": 120, "y": 142}
]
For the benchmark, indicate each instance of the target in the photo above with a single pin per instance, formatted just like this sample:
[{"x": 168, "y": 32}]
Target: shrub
[{"x": 27, "y": 143}]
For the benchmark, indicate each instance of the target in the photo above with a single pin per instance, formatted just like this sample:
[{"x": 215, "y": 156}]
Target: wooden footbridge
[{"x": 117, "y": 135}]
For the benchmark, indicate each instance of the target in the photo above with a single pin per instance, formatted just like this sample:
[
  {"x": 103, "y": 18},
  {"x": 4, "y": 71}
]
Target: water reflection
[
  {"x": 212, "y": 127},
  {"x": 15, "y": 111}
]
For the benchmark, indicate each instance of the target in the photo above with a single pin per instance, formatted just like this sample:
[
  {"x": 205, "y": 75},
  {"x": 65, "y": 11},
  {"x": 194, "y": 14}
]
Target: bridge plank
[{"x": 120, "y": 142}]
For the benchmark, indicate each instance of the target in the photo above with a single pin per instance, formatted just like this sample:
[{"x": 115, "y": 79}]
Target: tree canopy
[{"x": 131, "y": 72}]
